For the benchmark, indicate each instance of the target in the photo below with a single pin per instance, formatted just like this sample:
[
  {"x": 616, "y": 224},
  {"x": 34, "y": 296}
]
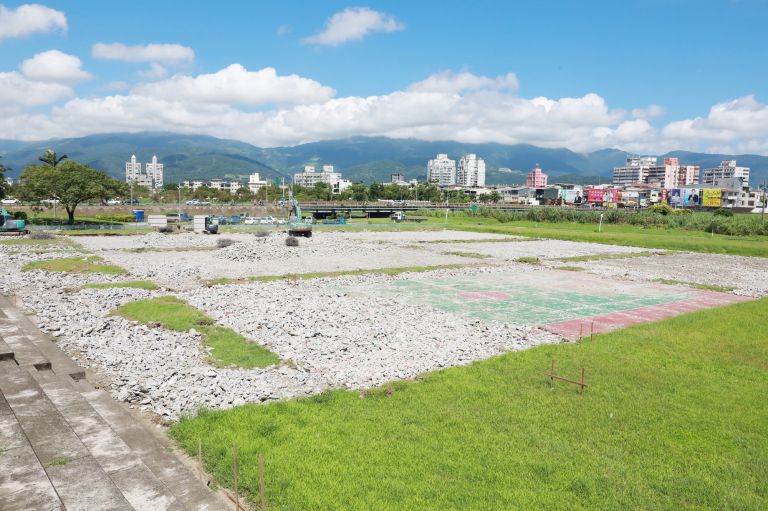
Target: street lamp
[{"x": 179, "y": 204}]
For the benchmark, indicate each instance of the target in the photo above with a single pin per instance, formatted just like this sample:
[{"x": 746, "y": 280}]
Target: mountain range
[{"x": 366, "y": 159}]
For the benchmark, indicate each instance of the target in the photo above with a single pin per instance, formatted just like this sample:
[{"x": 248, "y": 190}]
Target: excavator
[
  {"x": 11, "y": 226},
  {"x": 296, "y": 225}
]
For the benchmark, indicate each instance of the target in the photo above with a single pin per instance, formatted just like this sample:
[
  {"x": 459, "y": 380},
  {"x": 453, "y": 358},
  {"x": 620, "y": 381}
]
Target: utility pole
[
  {"x": 762, "y": 214},
  {"x": 131, "y": 194},
  {"x": 179, "y": 204}
]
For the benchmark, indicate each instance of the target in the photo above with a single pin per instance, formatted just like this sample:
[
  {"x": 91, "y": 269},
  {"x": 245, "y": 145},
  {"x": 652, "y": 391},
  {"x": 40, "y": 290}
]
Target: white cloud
[
  {"x": 267, "y": 109},
  {"x": 30, "y": 19},
  {"x": 17, "y": 92},
  {"x": 450, "y": 82},
  {"x": 116, "y": 85},
  {"x": 236, "y": 85},
  {"x": 740, "y": 125},
  {"x": 170, "y": 54},
  {"x": 650, "y": 112},
  {"x": 353, "y": 24},
  {"x": 154, "y": 72},
  {"x": 54, "y": 66},
  {"x": 283, "y": 30}
]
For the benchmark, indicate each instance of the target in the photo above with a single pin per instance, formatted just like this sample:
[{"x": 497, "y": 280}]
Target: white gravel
[{"x": 748, "y": 275}]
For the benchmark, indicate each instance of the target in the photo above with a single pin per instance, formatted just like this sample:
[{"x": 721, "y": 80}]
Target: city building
[
  {"x": 214, "y": 184},
  {"x": 471, "y": 171},
  {"x": 155, "y": 172},
  {"x": 536, "y": 178},
  {"x": 441, "y": 171},
  {"x": 397, "y": 179},
  {"x": 638, "y": 170},
  {"x": 152, "y": 177},
  {"x": 255, "y": 183},
  {"x": 310, "y": 177},
  {"x": 727, "y": 169}
]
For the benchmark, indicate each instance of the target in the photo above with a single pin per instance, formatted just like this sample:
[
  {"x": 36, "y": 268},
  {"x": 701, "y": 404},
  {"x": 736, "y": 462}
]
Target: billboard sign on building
[
  {"x": 710, "y": 197},
  {"x": 690, "y": 197}
]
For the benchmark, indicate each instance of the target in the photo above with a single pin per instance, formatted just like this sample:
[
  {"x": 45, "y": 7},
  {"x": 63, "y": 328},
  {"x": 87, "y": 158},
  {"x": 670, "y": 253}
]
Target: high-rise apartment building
[
  {"x": 536, "y": 178},
  {"x": 155, "y": 171},
  {"x": 471, "y": 171},
  {"x": 152, "y": 177},
  {"x": 441, "y": 171},
  {"x": 727, "y": 169}
]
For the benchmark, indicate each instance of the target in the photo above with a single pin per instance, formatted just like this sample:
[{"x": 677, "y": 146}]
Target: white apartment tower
[
  {"x": 155, "y": 172},
  {"x": 132, "y": 169},
  {"x": 471, "y": 171},
  {"x": 441, "y": 171},
  {"x": 152, "y": 177}
]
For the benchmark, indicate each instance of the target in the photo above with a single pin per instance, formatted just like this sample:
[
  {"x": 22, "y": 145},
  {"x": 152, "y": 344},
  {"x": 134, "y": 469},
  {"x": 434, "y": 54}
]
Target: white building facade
[
  {"x": 471, "y": 171},
  {"x": 255, "y": 183},
  {"x": 727, "y": 169},
  {"x": 152, "y": 177},
  {"x": 441, "y": 171},
  {"x": 310, "y": 177}
]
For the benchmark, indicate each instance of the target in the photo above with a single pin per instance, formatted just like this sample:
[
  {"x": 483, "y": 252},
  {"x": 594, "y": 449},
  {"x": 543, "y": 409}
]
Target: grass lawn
[
  {"x": 598, "y": 257},
  {"x": 32, "y": 242},
  {"x": 341, "y": 273},
  {"x": 229, "y": 347},
  {"x": 667, "y": 239},
  {"x": 137, "y": 284},
  {"x": 90, "y": 264},
  {"x": 675, "y": 418}
]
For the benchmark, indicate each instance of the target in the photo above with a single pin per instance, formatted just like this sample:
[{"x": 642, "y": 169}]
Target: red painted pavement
[{"x": 602, "y": 323}]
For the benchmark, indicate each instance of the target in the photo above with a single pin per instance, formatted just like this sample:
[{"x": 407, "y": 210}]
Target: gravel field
[
  {"x": 543, "y": 249},
  {"x": 748, "y": 275},
  {"x": 330, "y": 332},
  {"x": 326, "y": 251}
]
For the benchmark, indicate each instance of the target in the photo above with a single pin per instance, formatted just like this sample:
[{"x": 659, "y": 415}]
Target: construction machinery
[
  {"x": 297, "y": 226},
  {"x": 12, "y": 226}
]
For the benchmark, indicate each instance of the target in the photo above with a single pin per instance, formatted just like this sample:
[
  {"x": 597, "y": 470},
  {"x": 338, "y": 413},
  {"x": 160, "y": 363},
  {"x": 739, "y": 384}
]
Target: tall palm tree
[{"x": 51, "y": 158}]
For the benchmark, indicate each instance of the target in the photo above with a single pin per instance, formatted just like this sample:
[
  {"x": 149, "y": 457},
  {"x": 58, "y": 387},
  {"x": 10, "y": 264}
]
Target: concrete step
[
  {"x": 6, "y": 353},
  {"x": 72, "y": 472},
  {"x": 20, "y": 324},
  {"x": 124, "y": 467},
  {"x": 188, "y": 490},
  {"x": 24, "y": 352},
  {"x": 111, "y": 458}
]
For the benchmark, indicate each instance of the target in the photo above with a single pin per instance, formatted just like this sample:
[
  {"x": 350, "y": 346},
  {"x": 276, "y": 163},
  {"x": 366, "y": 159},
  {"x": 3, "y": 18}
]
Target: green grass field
[
  {"x": 666, "y": 239},
  {"x": 229, "y": 347},
  {"x": 675, "y": 418},
  {"x": 89, "y": 264}
]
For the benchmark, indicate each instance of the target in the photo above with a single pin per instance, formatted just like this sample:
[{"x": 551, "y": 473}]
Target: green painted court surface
[{"x": 535, "y": 298}]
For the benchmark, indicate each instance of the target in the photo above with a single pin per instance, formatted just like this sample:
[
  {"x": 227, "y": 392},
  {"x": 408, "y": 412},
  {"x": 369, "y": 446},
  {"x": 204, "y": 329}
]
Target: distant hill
[{"x": 365, "y": 159}]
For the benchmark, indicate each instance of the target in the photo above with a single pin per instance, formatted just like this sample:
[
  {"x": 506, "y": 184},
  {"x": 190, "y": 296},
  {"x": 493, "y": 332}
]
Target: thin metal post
[
  {"x": 583, "y": 382},
  {"x": 234, "y": 471},
  {"x": 552, "y": 372},
  {"x": 200, "y": 456},
  {"x": 262, "y": 492}
]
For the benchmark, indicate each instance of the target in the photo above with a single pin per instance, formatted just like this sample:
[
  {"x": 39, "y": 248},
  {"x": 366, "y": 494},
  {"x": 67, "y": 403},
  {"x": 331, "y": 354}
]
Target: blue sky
[{"x": 644, "y": 75}]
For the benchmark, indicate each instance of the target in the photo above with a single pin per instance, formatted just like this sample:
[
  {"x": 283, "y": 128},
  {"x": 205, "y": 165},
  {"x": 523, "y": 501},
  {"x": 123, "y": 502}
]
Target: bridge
[{"x": 383, "y": 209}]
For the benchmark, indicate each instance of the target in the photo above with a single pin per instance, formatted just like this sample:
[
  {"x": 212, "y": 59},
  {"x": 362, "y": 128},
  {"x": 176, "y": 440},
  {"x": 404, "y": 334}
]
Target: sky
[{"x": 640, "y": 75}]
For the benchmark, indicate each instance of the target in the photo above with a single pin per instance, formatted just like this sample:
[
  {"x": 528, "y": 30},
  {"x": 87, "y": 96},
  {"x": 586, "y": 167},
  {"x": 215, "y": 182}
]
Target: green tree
[
  {"x": 495, "y": 196},
  {"x": 375, "y": 191},
  {"x": 70, "y": 183},
  {"x": 3, "y": 184},
  {"x": 50, "y": 158},
  {"x": 358, "y": 192}
]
